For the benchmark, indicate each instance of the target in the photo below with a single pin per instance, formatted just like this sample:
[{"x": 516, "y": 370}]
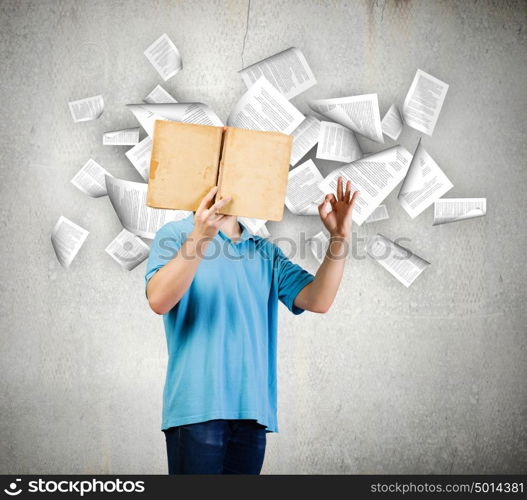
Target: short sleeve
[
  {"x": 291, "y": 279},
  {"x": 164, "y": 248}
]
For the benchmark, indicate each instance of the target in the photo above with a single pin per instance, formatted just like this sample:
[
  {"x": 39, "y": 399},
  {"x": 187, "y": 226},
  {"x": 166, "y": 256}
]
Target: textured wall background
[{"x": 425, "y": 380}]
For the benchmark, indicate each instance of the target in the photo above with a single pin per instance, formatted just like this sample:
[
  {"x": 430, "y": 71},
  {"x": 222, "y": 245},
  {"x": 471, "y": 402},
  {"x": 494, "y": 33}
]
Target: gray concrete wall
[{"x": 425, "y": 380}]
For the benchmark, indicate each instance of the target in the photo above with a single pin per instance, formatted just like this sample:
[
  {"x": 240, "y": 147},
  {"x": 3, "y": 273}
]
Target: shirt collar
[
  {"x": 245, "y": 233},
  {"x": 244, "y": 236}
]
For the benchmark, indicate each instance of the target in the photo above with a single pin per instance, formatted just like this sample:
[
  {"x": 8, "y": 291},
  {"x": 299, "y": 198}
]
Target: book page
[
  {"x": 424, "y": 183},
  {"x": 164, "y": 57},
  {"x": 127, "y": 250},
  {"x": 287, "y": 71},
  {"x": 455, "y": 209},
  {"x": 305, "y": 136},
  {"x": 183, "y": 164},
  {"x": 392, "y": 123},
  {"x": 125, "y": 137},
  {"x": 318, "y": 245},
  {"x": 303, "y": 194},
  {"x": 67, "y": 239},
  {"x": 253, "y": 172},
  {"x": 188, "y": 112},
  {"x": 87, "y": 109},
  {"x": 129, "y": 202},
  {"x": 262, "y": 107},
  {"x": 90, "y": 179},
  {"x": 159, "y": 96},
  {"x": 424, "y": 101},
  {"x": 397, "y": 260},
  {"x": 380, "y": 213},
  {"x": 359, "y": 113},
  {"x": 337, "y": 143},
  {"x": 374, "y": 176},
  {"x": 139, "y": 156}
]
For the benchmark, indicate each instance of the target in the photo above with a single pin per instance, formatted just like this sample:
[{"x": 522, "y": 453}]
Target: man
[{"x": 218, "y": 287}]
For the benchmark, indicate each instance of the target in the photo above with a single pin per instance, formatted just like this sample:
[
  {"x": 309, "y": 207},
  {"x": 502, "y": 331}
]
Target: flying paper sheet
[
  {"x": 263, "y": 232},
  {"x": 305, "y": 136},
  {"x": 424, "y": 101},
  {"x": 392, "y": 123},
  {"x": 374, "y": 176},
  {"x": 318, "y": 245},
  {"x": 337, "y": 143},
  {"x": 90, "y": 179},
  {"x": 359, "y": 113},
  {"x": 262, "y": 107},
  {"x": 67, "y": 239},
  {"x": 87, "y": 109},
  {"x": 139, "y": 156},
  {"x": 159, "y": 96},
  {"x": 125, "y": 137},
  {"x": 253, "y": 225},
  {"x": 380, "y": 213},
  {"x": 287, "y": 71},
  {"x": 129, "y": 202},
  {"x": 189, "y": 112},
  {"x": 164, "y": 57},
  {"x": 397, "y": 260},
  {"x": 303, "y": 194},
  {"x": 128, "y": 250},
  {"x": 455, "y": 209},
  {"x": 424, "y": 183}
]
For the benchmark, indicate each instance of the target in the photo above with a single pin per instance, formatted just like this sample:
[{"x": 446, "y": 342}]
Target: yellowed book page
[
  {"x": 183, "y": 165},
  {"x": 253, "y": 171}
]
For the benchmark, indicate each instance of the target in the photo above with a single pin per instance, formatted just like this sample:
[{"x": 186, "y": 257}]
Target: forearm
[
  {"x": 319, "y": 295},
  {"x": 171, "y": 282}
]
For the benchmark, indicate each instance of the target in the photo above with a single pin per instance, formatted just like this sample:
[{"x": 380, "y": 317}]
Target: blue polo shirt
[{"x": 222, "y": 334}]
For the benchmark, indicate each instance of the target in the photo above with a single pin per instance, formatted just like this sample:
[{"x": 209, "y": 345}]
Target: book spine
[{"x": 223, "y": 147}]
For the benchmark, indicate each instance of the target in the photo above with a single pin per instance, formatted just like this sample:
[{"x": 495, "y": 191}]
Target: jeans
[{"x": 216, "y": 447}]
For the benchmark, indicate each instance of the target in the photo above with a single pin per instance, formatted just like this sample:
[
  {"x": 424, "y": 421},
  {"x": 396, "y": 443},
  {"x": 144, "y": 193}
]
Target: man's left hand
[{"x": 338, "y": 221}]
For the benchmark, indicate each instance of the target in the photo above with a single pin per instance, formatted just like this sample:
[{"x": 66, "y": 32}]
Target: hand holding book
[{"x": 207, "y": 220}]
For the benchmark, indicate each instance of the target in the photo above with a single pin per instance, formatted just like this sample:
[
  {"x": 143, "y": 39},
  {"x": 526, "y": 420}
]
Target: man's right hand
[
  {"x": 169, "y": 284},
  {"x": 207, "y": 220}
]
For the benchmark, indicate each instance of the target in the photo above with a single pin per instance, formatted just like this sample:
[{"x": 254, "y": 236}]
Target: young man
[{"x": 218, "y": 287}]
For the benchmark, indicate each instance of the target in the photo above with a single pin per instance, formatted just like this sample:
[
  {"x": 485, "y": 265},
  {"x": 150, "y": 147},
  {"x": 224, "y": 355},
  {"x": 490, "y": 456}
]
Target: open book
[{"x": 248, "y": 165}]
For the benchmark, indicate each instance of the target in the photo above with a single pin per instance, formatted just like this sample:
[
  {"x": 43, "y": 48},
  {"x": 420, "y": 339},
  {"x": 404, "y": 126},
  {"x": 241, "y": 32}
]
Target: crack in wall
[
  {"x": 379, "y": 4},
  {"x": 247, "y": 19}
]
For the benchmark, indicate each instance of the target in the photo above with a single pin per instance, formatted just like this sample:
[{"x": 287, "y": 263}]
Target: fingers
[
  {"x": 216, "y": 219},
  {"x": 322, "y": 208},
  {"x": 347, "y": 195},
  {"x": 219, "y": 204},
  {"x": 331, "y": 199},
  {"x": 340, "y": 194},
  {"x": 205, "y": 202},
  {"x": 354, "y": 198}
]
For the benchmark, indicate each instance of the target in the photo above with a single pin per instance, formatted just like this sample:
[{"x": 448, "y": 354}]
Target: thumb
[{"x": 322, "y": 210}]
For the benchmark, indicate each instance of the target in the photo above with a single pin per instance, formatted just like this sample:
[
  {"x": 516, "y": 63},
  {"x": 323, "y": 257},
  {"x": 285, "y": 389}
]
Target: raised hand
[
  {"x": 338, "y": 221},
  {"x": 207, "y": 219}
]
